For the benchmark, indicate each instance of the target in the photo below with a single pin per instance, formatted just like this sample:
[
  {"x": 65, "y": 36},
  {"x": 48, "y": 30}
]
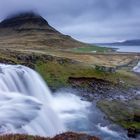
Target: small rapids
[{"x": 137, "y": 68}]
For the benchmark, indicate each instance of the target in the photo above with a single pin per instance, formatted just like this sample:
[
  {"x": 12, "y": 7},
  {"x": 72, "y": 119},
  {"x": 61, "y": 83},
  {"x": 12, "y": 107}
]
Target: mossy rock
[{"x": 126, "y": 114}]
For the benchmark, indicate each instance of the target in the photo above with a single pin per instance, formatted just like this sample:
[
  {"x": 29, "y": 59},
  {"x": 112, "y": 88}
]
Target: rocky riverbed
[
  {"x": 122, "y": 106},
  {"x": 111, "y": 91},
  {"x": 98, "y": 89}
]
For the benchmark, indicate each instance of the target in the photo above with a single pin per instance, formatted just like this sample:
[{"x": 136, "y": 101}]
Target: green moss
[
  {"x": 128, "y": 125},
  {"x": 121, "y": 113},
  {"x": 57, "y": 74}
]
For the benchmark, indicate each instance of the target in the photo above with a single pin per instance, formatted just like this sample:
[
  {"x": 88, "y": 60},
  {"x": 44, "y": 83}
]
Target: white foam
[
  {"x": 25, "y": 103},
  {"x": 137, "y": 68},
  {"x": 107, "y": 130}
]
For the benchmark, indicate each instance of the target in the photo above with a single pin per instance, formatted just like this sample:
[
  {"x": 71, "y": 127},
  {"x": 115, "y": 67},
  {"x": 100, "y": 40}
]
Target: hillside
[
  {"x": 31, "y": 31},
  {"x": 28, "y": 39}
]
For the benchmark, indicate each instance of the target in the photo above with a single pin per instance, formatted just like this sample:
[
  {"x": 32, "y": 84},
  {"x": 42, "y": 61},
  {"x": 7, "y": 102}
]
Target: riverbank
[
  {"x": 97, "y": 77},
  {"x": 57, "y": 68}
]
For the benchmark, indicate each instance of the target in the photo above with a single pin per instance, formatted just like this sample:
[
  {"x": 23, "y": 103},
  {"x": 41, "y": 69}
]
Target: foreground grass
[{"x": 64, "y": 136}]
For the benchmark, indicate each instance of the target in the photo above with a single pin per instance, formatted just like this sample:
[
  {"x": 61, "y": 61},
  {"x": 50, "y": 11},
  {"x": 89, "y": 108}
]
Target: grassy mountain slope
[{"x": 29, "y": 30}]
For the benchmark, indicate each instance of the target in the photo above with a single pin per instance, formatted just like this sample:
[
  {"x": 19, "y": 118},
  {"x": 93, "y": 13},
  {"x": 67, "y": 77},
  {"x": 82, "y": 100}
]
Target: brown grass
[{"x": 65, "y": 136}]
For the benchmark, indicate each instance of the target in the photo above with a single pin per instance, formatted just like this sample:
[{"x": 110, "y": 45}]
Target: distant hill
[
  {"x": 30, "y": 30},
  {"x": 135, "y": 42}
]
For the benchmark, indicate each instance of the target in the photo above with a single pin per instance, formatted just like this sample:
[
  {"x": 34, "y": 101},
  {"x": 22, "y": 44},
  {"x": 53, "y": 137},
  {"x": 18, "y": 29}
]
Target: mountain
[
  {"x": 131, "y": 42},
  {"x": 135, "y": 42},
  {"x": 30, "y": 30}
]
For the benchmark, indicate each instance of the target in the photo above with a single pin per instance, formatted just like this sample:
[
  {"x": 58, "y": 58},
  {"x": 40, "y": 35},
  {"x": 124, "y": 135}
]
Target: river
[{"x": 27, "y": 106}]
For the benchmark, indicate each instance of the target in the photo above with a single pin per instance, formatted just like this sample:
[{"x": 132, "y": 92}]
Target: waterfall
[
  {"x": 28, "y": 107},
  {"x": 26, "y": 103}
]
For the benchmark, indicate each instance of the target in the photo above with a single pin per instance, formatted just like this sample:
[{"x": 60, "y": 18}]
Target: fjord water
[
  {"x": 27, "y": 106},
  {"x": 124, "y": 48}
]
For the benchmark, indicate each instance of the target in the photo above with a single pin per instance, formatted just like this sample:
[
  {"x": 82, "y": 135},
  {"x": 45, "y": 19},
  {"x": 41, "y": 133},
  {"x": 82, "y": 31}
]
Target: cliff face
[{"x": 30, "y": 30}]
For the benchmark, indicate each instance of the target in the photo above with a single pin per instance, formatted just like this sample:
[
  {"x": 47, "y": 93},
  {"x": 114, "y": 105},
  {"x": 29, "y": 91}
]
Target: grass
[
  {"x": 56, "y": 75},
  {"x": 56, "y": 72},
  {"x": 21, "y": 137},
  {"x": 64, "y": 136},
  {"x": 90, "y": 49}
]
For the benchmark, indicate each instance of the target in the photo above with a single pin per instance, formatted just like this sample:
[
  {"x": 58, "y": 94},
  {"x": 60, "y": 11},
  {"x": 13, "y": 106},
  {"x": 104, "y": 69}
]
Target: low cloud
[{"x": 89, "y": 21}]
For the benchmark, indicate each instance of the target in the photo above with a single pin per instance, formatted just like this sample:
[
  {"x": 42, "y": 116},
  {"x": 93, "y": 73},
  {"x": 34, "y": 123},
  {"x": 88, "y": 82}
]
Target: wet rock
[
  {"x": 124, "y": 113},
  {"x": 132, "y": 133},
  {"x": 137, "y": 117}
]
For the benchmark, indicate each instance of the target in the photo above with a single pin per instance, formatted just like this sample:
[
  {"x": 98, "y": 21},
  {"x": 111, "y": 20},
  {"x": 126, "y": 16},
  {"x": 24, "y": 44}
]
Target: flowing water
[
  {"x": 83, "y": 116},
  {"x": 25, "y": 103},
  {"x": 137, "y": 68},
  {"x": 27, "y": 106}
]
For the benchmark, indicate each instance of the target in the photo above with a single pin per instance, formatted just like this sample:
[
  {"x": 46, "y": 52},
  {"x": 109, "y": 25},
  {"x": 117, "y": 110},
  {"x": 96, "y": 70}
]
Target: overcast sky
[{"x": 85, "y": 20}]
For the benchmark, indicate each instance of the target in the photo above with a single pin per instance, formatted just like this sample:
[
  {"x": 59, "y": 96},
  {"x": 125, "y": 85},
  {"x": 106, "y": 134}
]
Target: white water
[
  {"x": 27, "y": 106},
  {"x": 137, "y": 68},
  {"x": 107, "y": 130},
  {"x": 70, "y": 107},
  {"x": 25, "y": 103}
]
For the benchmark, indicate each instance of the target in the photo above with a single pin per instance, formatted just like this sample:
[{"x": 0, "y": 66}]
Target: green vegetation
[
  {"x": 126, "y": 114},
  {"x": 47, "y": 51},
  {"x": 57, "y": 70},
  {"x": 56, "y": 75},
  {"x": 91, "y": 49}
]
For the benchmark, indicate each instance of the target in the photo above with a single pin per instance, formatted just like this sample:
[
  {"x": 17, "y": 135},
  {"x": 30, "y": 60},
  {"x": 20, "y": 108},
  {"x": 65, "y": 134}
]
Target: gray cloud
[{"x": 90, "y": 20}]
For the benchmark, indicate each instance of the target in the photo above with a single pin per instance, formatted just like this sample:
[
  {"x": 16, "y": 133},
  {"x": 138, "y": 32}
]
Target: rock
[
  {"x": 105, "y": 69},
  {"x": 137, "y": 117},
  {"x": 124, "y": 113},
  {"x": 132, "y": 133}
]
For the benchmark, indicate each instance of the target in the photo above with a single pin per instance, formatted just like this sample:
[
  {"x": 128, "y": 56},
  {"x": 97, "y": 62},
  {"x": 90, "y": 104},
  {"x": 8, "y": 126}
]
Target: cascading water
[
  {"x": 25, "y": 103},
  {"x": 27, "y": 106}
]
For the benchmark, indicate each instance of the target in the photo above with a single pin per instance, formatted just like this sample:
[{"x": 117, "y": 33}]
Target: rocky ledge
[
  {"x": 120, "y": 105},
  {"x": 92, "y": 88},
  {"x": 124, "y": 113},
  {"x": 65, "y": 136}
]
